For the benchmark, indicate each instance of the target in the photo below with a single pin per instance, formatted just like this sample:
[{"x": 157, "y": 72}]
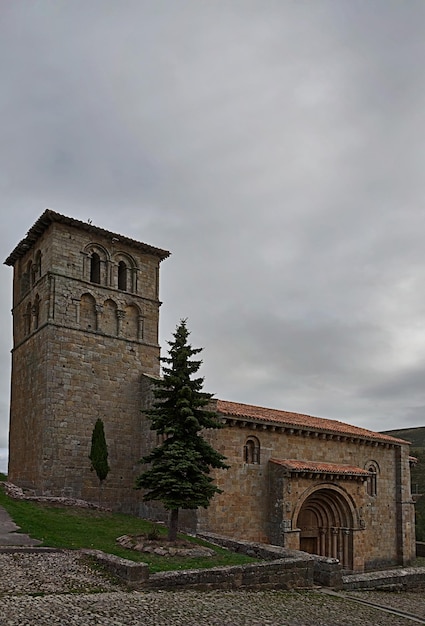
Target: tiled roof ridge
[
  {"x": 300, "y": 420},
  {"x": 320, "y": 467},
  {"x": 49, "y": 216}
]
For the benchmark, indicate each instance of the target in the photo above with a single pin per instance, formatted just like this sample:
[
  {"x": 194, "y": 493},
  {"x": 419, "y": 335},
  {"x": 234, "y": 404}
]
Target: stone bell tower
[{"x": 85, "y": 330}]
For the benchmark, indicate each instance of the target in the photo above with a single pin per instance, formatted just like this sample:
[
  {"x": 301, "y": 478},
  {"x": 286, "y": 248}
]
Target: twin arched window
[
  {"x": 252, "y": 451},
  {"x": 372, "y": 480},
  {"x": 99, "y": 273}
]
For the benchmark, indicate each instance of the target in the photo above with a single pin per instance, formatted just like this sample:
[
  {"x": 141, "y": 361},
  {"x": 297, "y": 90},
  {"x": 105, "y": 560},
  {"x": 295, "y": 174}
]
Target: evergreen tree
[
  {"x": 180, "y": 466},
  {"x": 99, "y": 453}
]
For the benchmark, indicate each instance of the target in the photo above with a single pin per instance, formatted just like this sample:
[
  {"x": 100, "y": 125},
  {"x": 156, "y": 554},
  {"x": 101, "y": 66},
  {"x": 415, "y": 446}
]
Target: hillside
[
  {"x": 415, "y": 435},
  {"x": 417, "y": 438}
]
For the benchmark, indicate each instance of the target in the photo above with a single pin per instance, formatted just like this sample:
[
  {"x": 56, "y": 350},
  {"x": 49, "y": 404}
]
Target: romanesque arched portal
[{"x": 325, "y": 521}]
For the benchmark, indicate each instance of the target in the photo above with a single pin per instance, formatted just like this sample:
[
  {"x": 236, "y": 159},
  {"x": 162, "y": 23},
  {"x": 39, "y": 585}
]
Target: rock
[{"x": 178, "y": 549}]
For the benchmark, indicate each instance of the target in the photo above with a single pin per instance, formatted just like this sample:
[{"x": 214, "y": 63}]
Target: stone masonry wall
[
  {"x": 242, "y": 509},
  {"x": 78, "y": 357}
]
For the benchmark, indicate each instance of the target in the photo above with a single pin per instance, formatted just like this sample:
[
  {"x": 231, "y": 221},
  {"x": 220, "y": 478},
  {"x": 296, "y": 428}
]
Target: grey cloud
[{"x": 275, "y": 148}]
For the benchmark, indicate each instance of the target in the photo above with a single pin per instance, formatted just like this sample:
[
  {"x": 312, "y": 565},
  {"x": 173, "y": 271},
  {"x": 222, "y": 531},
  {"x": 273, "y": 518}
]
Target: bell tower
[{"x": 85, "y": 330}]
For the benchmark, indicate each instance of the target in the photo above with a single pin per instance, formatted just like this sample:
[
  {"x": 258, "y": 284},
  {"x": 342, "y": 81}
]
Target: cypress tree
[
  {"x": 179, "y": 470},
  {"x": 99, "y": 453}
]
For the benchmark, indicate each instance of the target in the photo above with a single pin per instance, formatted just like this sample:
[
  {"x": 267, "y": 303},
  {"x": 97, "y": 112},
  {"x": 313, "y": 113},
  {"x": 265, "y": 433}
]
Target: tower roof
[{"x": 49, "y": 216}]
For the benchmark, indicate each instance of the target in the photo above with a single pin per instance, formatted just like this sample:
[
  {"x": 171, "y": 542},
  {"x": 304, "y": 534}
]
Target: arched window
[
  {"x": 95, "y": 268},
  {"x": 110, "y": 318},
  {"x": 26, "y": 278},
  {"x": 27, "y": 319},
  {"x": 130, "y": 329},
  {"x": 88, "y": 318},
  {"x": 36, "y": 311},
  {"x": 37, "y": 265},
  {"x": 372, "y": 479},
  {"x": 122, "y": 276},
  {"x": 252, "y": 451}
]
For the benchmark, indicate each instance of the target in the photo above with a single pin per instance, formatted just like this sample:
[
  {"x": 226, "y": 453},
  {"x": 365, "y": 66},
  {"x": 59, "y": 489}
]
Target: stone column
[
  {"x": 345, "y": 547},
  {"x": 322, "y": 541},
  {"x": 76, "y": 302},
  {"x": 120, "y": 317},
  {"x": 52, "y": 294},
  {"x": 334, "y": 546},
  {"x": 141, "y": 328},
  {"x": 98, "y": 310}
]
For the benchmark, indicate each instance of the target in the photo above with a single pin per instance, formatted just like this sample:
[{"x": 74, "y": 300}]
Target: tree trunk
[{"x": 173, "y": 525}]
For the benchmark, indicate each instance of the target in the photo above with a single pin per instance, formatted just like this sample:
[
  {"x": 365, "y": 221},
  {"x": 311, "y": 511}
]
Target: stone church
[{"x": 85, "y": 346}]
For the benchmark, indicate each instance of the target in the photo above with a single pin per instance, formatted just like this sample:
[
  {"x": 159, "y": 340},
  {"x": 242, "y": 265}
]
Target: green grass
[
  {"x": 72, "y": 528},
  {"x": 2, "y": 476}
]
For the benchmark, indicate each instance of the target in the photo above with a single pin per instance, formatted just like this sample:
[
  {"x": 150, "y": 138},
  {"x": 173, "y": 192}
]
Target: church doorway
[{"x": 325, "y": 521}]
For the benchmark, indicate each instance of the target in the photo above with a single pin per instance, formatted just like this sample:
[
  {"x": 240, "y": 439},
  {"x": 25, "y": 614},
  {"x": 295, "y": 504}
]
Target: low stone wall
[
  {"x": 280, "y": 569},
  {"x": 326, "y": 571},
  {"x": 19, "y": 494},
  {"x": 281, "y": 574},
  {"x": 388, "y": 580},
  {"x": 132, "y": 573}
]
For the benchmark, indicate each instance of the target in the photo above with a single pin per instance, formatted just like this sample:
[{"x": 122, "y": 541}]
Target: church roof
[
  {"x": 49, "y": 216},
  {"x": 314, "y": 467},
  {"x": 288, "y": 419}
]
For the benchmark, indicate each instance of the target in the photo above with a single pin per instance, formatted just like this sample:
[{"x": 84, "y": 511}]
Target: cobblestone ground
[{"x": 59, "y": 588}]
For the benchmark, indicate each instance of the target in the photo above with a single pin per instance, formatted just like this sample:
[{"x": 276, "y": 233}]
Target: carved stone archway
[{"x": 325, "y": 520}]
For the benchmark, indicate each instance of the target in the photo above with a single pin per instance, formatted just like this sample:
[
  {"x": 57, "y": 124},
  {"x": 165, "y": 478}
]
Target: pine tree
[
  {"x": 99, "y": 454},
  {"x": 180, "y": 466}
]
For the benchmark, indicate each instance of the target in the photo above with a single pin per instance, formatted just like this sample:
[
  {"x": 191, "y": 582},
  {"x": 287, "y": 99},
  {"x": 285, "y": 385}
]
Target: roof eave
[
  {"x": 328, "y": 432},
  {"x": 49, "y": 217}
]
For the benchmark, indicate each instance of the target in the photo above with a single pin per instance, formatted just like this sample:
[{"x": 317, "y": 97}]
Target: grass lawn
[{"x": 73, "y": 528}]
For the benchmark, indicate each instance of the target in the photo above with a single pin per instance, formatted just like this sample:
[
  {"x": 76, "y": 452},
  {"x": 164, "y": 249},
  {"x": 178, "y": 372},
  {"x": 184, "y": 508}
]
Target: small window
[
  {"x": 95, "y": 268},
  {"x": 27, "y": 319},
  {"x": 27, "y": 278},
  {"x": 252, "y": 451},
  {"x": 122, "y": 276},
  {"x": 372, "y": 479},
  {"x": 36, "y": 311},
  {"x": 37, "y": 266}
]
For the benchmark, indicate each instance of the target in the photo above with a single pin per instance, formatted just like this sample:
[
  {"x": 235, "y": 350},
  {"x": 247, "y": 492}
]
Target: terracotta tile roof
[
  {"x": 320, "y": 468},
  {"x": 298, "y": 420},
  {"x": 49, "y": 216}
]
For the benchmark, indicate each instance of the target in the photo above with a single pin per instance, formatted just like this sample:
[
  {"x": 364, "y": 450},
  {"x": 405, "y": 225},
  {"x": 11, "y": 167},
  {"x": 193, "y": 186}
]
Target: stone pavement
[
  {"x": 8, "y": 534},
  {"x": 39, "y": 587}
]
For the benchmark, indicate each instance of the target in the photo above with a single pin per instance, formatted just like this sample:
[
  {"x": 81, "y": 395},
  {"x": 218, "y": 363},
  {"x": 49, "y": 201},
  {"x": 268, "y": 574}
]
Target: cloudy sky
[{"x": 275, "y": 147}]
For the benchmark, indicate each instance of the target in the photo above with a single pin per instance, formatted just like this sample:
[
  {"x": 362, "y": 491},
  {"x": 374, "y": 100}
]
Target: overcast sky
[{"x": 275, "y": 147}]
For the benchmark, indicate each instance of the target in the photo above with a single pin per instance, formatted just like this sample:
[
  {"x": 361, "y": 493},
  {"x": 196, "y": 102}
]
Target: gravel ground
[{"x": 59, "y": 588}]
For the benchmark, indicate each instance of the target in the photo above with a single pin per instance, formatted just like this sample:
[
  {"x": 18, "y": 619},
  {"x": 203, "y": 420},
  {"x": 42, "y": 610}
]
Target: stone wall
[
  {"x": 259, "y": 504},
  {"x": 80, "y": 349},
  {"x": 282, "y": 574},
  {"x": 244, "y": 509},
  {"x": 289, "y": 573},
  {"x": 390, "y": 580},
  {"x": 283, "y": 569}
]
